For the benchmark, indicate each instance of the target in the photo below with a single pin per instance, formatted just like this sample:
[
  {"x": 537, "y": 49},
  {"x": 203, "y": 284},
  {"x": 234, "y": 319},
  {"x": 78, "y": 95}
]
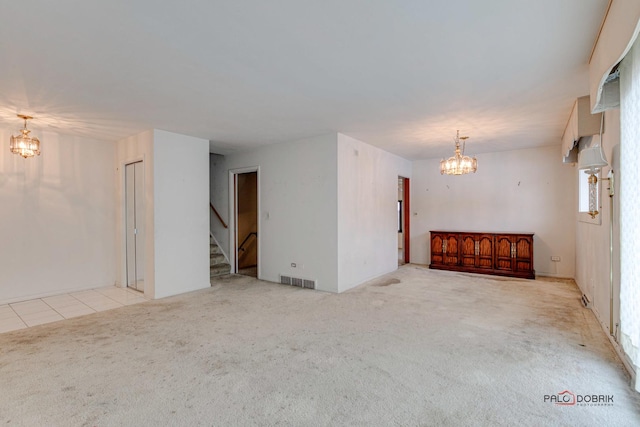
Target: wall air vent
[{"x": 296, "y": 281}]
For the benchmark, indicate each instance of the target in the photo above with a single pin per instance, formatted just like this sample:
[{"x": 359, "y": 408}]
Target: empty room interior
[{"x": 320, "y": 213}]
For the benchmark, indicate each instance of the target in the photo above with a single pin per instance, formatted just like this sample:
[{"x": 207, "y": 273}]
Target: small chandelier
[
  {"x": 459, "y": 164},
  {"x": 23, "y": 144}
]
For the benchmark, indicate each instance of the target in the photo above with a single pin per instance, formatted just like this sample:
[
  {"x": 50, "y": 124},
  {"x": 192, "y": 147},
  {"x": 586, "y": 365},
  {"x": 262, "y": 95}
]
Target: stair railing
[
  {"x": 246, "y": 239},
  {"x": 218, "y": 215}
]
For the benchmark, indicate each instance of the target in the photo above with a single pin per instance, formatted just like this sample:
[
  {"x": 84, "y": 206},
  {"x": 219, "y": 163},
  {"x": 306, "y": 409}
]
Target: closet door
[{"x": 134, "y": 225}]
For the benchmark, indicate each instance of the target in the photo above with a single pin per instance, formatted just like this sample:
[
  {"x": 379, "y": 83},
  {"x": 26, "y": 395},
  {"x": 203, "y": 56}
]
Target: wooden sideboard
[{"x": 504, "y": 254}]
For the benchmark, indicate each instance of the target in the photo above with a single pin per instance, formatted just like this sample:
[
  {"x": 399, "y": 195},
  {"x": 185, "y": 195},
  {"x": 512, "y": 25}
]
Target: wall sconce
[
  {"x": 23, "y": 144},
  {"x": 591, "y": 160}
]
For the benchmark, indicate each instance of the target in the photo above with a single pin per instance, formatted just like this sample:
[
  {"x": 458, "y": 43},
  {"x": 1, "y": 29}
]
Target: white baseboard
[
  {"x": 617, "y": 348},
  {"x": 53, "y": 293}
]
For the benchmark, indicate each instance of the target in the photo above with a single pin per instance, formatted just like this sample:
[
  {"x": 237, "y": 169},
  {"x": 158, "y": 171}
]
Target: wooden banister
[
  {"x": 241, "y": 247},
  {"x": 218, "y": 215}
]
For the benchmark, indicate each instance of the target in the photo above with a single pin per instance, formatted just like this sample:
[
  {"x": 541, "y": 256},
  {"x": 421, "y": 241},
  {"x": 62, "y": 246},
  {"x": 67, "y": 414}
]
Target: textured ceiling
[{"x": 401, "y": 75}]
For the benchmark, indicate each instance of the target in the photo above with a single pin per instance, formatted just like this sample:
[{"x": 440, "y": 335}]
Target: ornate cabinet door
[
  {"x": 484, "y": 251},
  {"x": 476, "y": 250},
  {"x": 523, "y": 253},
  {"x": 451, "y": 254},
  {"x": 437, "y": 252},
  {"x": 468, "y": 250},
  {"x": 504, "y": 251}
]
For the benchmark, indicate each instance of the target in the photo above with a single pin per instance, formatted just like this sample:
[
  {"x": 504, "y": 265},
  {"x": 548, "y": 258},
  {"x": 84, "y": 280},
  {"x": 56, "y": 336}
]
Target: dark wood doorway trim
[{"x": 407, "y": 216}]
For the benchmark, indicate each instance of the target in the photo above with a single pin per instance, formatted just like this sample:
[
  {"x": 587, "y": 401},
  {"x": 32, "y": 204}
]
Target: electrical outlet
[{"x": 555, "y": 258}]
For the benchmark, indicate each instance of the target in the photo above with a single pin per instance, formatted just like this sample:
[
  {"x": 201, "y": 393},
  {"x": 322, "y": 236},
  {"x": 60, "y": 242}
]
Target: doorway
[
  {"x": 403, "y": 221},
  {"x": 246, "y": 223},
  {"x": 134, "y": 224}
]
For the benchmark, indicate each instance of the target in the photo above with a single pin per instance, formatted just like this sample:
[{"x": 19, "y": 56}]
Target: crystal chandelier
[
  {"x": 459, "y": 164},
  {"x": 23, "y": 144}
]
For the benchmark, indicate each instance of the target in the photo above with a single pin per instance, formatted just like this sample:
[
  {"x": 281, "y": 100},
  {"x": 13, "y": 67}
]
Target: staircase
[{"x": 218, "y": 265}]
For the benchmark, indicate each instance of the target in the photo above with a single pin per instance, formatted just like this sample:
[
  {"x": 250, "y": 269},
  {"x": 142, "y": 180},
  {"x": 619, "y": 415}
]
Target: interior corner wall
[
  {"x": 592, "y": 240},
  {"x": 57, "y": 224},
  {"x": 297, "y": 187},
  {"x": 513, "y": 191},
  {"x": 176, "y": 171},
  {"x": 181, "y": 213},
  {"x": 367, "y": 211}
]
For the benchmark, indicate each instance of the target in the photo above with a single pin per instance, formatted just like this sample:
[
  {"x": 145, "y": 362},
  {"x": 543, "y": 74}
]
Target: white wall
[
  {"x": 592, "y": 240},
  {"x": 367, "y": 211},
  {"x": 176, "y": 170},
  {"x": 181, "y": 209},
  {"x": 297, "y": 207},
  {"x": 57, "y": 217},
  {"x": 520, "y": 191}
]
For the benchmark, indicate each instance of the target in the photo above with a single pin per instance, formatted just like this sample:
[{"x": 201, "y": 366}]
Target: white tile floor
[{"x": 21, "y": 315}]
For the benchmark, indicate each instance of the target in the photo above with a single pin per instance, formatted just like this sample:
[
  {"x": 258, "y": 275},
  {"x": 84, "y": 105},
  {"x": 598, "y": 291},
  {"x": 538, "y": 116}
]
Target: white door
[{"x": 134, "y": 206}]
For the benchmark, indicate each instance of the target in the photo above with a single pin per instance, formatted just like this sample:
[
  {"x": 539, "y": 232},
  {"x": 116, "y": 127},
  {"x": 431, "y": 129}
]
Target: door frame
[
  {"x": 132, "y": 240},
  {"x": 406, "y": 220},
  {"x": 233, "y": 212}
]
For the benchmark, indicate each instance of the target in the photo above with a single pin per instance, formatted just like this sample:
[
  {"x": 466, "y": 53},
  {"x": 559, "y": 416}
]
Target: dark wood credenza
[{"x": 504, "y": 254}]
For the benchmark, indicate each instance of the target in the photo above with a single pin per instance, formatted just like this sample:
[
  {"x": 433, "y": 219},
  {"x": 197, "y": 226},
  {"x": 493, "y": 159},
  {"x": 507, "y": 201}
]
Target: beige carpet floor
[{"x": 416, "y": 347}]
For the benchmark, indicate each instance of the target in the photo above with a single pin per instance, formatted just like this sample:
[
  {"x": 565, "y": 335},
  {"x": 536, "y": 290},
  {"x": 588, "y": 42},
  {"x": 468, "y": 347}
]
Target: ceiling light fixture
[
  {"x": 23, "y": 144},
  {"x": 459, "y": 164}
]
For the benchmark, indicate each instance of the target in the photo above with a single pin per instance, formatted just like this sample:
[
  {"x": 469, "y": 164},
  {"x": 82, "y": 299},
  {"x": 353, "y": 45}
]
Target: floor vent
[
  {"x": 296, "y": 281},
  {"x": 585, "y": 301},
  {"x": 285, "y": 280}
]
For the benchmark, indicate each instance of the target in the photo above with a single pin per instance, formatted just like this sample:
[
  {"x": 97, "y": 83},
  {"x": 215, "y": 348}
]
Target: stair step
[
  {"x": 219, "y": 269},
  {"x": 216, "y": 259},
  {"x": 218, "y": 265}
]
